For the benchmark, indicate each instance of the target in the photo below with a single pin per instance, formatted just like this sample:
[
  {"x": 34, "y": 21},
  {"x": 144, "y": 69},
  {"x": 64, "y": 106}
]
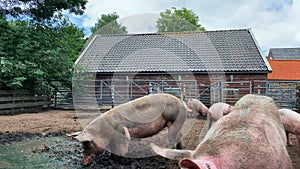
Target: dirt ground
[{"x": 62, "y": 121}]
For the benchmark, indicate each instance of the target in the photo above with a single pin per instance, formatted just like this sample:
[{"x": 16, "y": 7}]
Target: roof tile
[{"x": 226, "y": 50}]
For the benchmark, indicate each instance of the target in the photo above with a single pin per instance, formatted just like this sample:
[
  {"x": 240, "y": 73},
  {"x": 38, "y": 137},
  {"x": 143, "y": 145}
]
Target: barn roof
[
  {"x": 284, "y": 53},
  {"x": 284, "y": 70},
  {"x": 222, "y": 50}
]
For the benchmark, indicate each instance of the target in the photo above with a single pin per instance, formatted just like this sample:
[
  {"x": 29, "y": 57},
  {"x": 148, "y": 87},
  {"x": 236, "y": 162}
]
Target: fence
[
  {"x": 111, "y": 93},
  {"x": 284, "y": 93},
  {"x": 106, "y": 94},
  {"x": 19, "y": 101},
  {"x": 120, "y": 91}
]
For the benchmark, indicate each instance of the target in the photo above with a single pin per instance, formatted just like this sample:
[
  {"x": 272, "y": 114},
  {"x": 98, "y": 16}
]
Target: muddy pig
[
  {"x": 251, "y": 136},
  {"x": 291, "y": 122},
  {"x": 196, "y": 107},
  {"x": 217, "y": 111},
  {"x": 140, "y": 118}
]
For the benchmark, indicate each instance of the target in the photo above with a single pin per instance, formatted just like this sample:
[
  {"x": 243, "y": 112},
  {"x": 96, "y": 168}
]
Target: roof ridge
[{"x": 172, "y": 33}]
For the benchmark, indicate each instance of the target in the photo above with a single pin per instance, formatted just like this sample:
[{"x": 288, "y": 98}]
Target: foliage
[
  {"x": 34, "y": 56},
  {"x": 108, "y": 24},
  {"x": 40, "y": 9},
  {"x": 178, "y": 20}
]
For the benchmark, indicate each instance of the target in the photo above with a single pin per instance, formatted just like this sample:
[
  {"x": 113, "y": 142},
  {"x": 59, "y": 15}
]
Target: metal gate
[
  {"x": 233, "y": 91},
  {"x": 283, "y": 92},
  {"x": 120, "y": 91},
  {"x": 107, "y": 92}
]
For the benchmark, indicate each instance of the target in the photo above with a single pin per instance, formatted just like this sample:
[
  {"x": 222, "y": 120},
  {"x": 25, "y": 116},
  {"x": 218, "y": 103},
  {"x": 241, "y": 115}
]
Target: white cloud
[
  {"x": 273, "y": 22},
  {"x": 140, "y": 23}
]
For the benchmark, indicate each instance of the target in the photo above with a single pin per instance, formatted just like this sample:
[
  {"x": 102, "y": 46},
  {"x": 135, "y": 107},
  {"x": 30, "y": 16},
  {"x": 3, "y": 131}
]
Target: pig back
[
  {"x": 290, "y": 120},
  {"x": 249, "y": 137}
]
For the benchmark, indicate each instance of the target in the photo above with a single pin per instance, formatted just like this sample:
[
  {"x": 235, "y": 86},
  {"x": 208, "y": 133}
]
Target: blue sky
[{"x": 274, "y": 23}]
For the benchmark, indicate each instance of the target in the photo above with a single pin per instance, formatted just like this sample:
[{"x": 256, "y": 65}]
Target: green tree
[
  {"x": 108, "y": 24},
  {"x": 40, "y": 9},
  {"x": 34, "y": 56},
  {"x": 178, "y": 20}
]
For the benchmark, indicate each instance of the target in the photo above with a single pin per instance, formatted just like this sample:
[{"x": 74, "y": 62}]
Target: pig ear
[
  {"x": 171, "y": 153},
  {"x": 187, "y": 163},
  {"x": 83, "y": 137},
  {"x": 74, "y": 134}
]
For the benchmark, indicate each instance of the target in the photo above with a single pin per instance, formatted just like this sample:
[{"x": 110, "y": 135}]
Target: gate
[
  {"x": 120, "y": 91},
  {"x": 107, "y": 92},
  {"x": 283, "y": 93},
  {"x": 231, "y": 92}
]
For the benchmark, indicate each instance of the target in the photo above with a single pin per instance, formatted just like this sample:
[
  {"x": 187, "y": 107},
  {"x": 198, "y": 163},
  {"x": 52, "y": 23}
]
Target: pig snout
[
  {"x": 90, "y": 152},
  {"x": 197, "y": 164}
]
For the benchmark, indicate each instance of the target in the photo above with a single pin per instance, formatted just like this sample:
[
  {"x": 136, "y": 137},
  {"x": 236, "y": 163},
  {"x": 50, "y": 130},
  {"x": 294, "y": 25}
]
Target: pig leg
[
  {"x": 288, "y": 141},
  {"x": 178, "y": 139},
  {"x": 298, "y": 139},
  {"x": 174, "y": 128},
  {"x": 174, "y": 135}
]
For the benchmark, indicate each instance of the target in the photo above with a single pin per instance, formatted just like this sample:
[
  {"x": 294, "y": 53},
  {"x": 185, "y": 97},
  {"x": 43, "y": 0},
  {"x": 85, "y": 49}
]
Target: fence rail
[
  {"x": 19, "y": 101},
  {"x": 105, "y": 93}
]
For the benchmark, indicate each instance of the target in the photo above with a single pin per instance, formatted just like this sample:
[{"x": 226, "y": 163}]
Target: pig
[
  {"x": 251, "y": 136},
  {"x": 291, "y": 122},
  {"x": 139, "y": 118},
  {"x": 196, "y": 107},
  {"x": 217, "y": 111}
]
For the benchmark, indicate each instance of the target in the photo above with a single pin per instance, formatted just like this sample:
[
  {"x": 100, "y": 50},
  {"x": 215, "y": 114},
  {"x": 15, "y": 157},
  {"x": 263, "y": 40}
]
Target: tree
[
  {"x": 178, "y": 20},
  {"x": 40, "y": 9},
  {"x": 108, "y": 24},
  {"x": 34, "y": 56}
]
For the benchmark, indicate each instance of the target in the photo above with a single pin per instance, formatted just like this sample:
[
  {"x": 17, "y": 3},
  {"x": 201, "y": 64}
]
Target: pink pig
[
  {"x": 139, "y": 118},
  {"x": 291, "y": 123},
  {"x": 217, "y": 111},
  {"x": 251, "y": 136},
  {"x": 195, "y": 107}
]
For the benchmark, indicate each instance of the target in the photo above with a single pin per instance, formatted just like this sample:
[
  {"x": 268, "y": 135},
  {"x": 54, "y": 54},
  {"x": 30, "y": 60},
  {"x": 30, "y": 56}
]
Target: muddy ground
[{"x": 38, "y": 140}]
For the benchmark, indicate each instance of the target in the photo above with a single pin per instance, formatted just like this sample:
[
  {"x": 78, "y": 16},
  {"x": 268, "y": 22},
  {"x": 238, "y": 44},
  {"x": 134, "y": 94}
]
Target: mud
[
  {"x": 26, "y": 150},
  {"x": 24, "y": 144}
]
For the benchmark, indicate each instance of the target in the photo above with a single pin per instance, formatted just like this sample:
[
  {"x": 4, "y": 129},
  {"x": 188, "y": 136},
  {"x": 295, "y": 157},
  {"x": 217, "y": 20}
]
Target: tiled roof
[
  {"x": 284, "y": 70},
  {"x": 224, "y": 50},
  {"x": 284, "y": 54}
]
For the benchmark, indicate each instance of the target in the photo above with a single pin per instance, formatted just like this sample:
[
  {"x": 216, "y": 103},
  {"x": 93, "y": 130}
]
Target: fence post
[
  {"x": 150, "y": 88},
  {"x": 250, "y": 86},
  {"x": 258, "y": 89},
  {"x": 101, "y": 89},
  {"x": 113, "y": 95},
  {"x": 298, "y": 98},
  {"x": 55, "y": 97}
]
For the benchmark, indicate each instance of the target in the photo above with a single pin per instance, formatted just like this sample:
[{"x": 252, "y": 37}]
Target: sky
[{"x": 274, "y": 23}]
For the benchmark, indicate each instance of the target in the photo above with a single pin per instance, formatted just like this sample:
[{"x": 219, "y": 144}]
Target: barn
[
  {"x": 284, "y": 81},
  {"x": 219, "y": 65}
]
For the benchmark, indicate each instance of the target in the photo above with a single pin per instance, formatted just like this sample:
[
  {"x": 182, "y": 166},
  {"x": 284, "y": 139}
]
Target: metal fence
[{"x": 111, "y": 93}]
